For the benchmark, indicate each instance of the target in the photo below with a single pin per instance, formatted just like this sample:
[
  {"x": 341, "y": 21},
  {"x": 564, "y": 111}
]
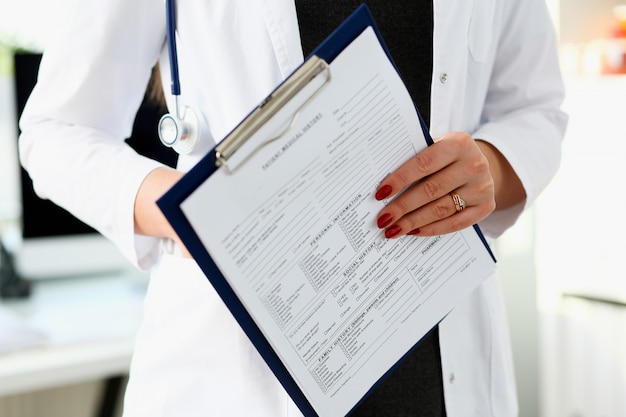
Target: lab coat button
[
  {"x": 443, "y": 77},
  {"x": 451, "y": 378}
]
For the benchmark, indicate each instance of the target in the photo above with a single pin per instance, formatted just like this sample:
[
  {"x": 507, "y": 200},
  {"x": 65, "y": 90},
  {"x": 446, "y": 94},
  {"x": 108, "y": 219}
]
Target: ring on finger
[{"x": 459, "y": 203}]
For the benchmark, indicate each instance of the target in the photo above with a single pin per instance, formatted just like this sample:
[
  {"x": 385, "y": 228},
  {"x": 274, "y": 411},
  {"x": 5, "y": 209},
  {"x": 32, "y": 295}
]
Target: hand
[
  {"x": 454, "y": 164},
  {"x": 149, "y": 220}
]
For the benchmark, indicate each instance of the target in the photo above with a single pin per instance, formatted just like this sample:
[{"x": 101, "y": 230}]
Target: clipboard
[
  {"x": 313, "y": 65},
  {"x": 222, "y": 157}
]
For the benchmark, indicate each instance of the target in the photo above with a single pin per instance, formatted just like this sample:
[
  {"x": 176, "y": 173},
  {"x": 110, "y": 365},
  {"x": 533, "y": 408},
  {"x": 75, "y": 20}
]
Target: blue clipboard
[{"x": 170, "y": 205}]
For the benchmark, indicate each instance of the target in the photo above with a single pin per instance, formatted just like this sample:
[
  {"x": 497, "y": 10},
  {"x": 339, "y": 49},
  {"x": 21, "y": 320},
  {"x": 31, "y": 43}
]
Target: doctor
[{"x": 494, "y": 75}]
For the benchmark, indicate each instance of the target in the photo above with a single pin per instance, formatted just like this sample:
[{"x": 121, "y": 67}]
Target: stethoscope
[{"x": 180, "y": 131}]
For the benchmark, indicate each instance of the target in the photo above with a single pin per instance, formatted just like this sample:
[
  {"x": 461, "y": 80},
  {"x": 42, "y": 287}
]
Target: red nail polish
[
  {"x": 414, "y": 232},
  {"x": 392, "y": 231},
  {"x": 384, "y": 220},
  {"x": 383, "y": 192}
]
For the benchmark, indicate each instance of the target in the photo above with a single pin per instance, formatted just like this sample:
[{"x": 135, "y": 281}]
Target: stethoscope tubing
[
  {"x": 170, "y": 20},
  {"x": 179, "y": 131}
]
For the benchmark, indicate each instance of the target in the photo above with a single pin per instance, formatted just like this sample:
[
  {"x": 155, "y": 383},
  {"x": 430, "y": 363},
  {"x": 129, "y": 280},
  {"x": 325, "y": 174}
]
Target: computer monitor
[{"x": 55, "y": 243}]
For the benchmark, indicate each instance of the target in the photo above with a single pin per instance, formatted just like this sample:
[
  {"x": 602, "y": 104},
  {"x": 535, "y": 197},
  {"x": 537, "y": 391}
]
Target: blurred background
[{"x": 66, "y": 341}]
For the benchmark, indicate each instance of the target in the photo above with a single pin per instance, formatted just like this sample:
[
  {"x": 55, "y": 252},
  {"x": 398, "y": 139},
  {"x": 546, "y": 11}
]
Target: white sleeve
[
  {"x": 91, "y": 82},
  {"x": 522, "y": 116}
]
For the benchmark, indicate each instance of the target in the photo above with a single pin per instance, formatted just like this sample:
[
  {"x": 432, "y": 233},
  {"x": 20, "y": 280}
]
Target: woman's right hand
[{"x": 149, "y": 220}]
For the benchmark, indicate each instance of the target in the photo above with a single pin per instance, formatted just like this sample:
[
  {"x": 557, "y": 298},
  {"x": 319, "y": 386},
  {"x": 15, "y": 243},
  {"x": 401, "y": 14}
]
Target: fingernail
[
  {"x": 414, "y": 232},
  {"x": 384, "y": 220},
  {"x": 392, "y": 231},
  {"x": 384, "y": 192}
]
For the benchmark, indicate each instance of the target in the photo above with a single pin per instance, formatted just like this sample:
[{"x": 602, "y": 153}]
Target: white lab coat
[{"x": 495, "y": 75}]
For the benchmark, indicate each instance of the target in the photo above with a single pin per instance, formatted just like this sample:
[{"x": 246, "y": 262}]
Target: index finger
[{"x": 425, "y": 163}]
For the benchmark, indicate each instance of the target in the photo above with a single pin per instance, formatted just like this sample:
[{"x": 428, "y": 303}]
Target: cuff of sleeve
[
  {"x": 534, "y": 173},
  {"x": 142, "y": 251},
  {"x": 499, "y": 221}
]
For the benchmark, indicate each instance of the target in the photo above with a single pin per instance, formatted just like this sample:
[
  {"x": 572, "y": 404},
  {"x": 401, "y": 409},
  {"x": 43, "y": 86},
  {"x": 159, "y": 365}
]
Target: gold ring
[{"x": 459, "y": 203}]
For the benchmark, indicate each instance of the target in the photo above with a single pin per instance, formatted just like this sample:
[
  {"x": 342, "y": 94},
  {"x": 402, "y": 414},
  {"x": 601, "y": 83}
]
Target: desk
[
  {"x": 88, "y": 326},
  {"x": 41, "y": 368}
]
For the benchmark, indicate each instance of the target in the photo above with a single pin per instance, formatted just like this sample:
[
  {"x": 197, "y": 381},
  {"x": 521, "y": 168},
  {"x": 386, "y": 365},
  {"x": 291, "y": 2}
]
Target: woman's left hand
[{"x": 422, "y": 189}]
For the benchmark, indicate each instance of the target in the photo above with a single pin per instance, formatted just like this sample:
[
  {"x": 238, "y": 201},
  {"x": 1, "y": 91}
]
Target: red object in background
[
  {"x": 614, "y": 57},
  {"x": 619, "y": 32}
]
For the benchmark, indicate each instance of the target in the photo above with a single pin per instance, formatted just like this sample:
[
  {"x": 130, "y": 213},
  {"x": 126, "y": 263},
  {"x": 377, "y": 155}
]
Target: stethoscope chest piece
[{"x": 179, "y": 134}]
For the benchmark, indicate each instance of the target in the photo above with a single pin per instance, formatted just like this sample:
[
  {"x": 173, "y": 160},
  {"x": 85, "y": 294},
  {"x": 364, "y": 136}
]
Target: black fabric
[
  {"x": 415, "y": 388},
  {"x": 406, "y": 27}
]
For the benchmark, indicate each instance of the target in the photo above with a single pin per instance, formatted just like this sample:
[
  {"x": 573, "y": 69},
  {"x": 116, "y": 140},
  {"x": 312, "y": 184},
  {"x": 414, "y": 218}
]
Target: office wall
[
  {"x": 583, "y": 20},
  {"x": 579, "y": 233}
]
